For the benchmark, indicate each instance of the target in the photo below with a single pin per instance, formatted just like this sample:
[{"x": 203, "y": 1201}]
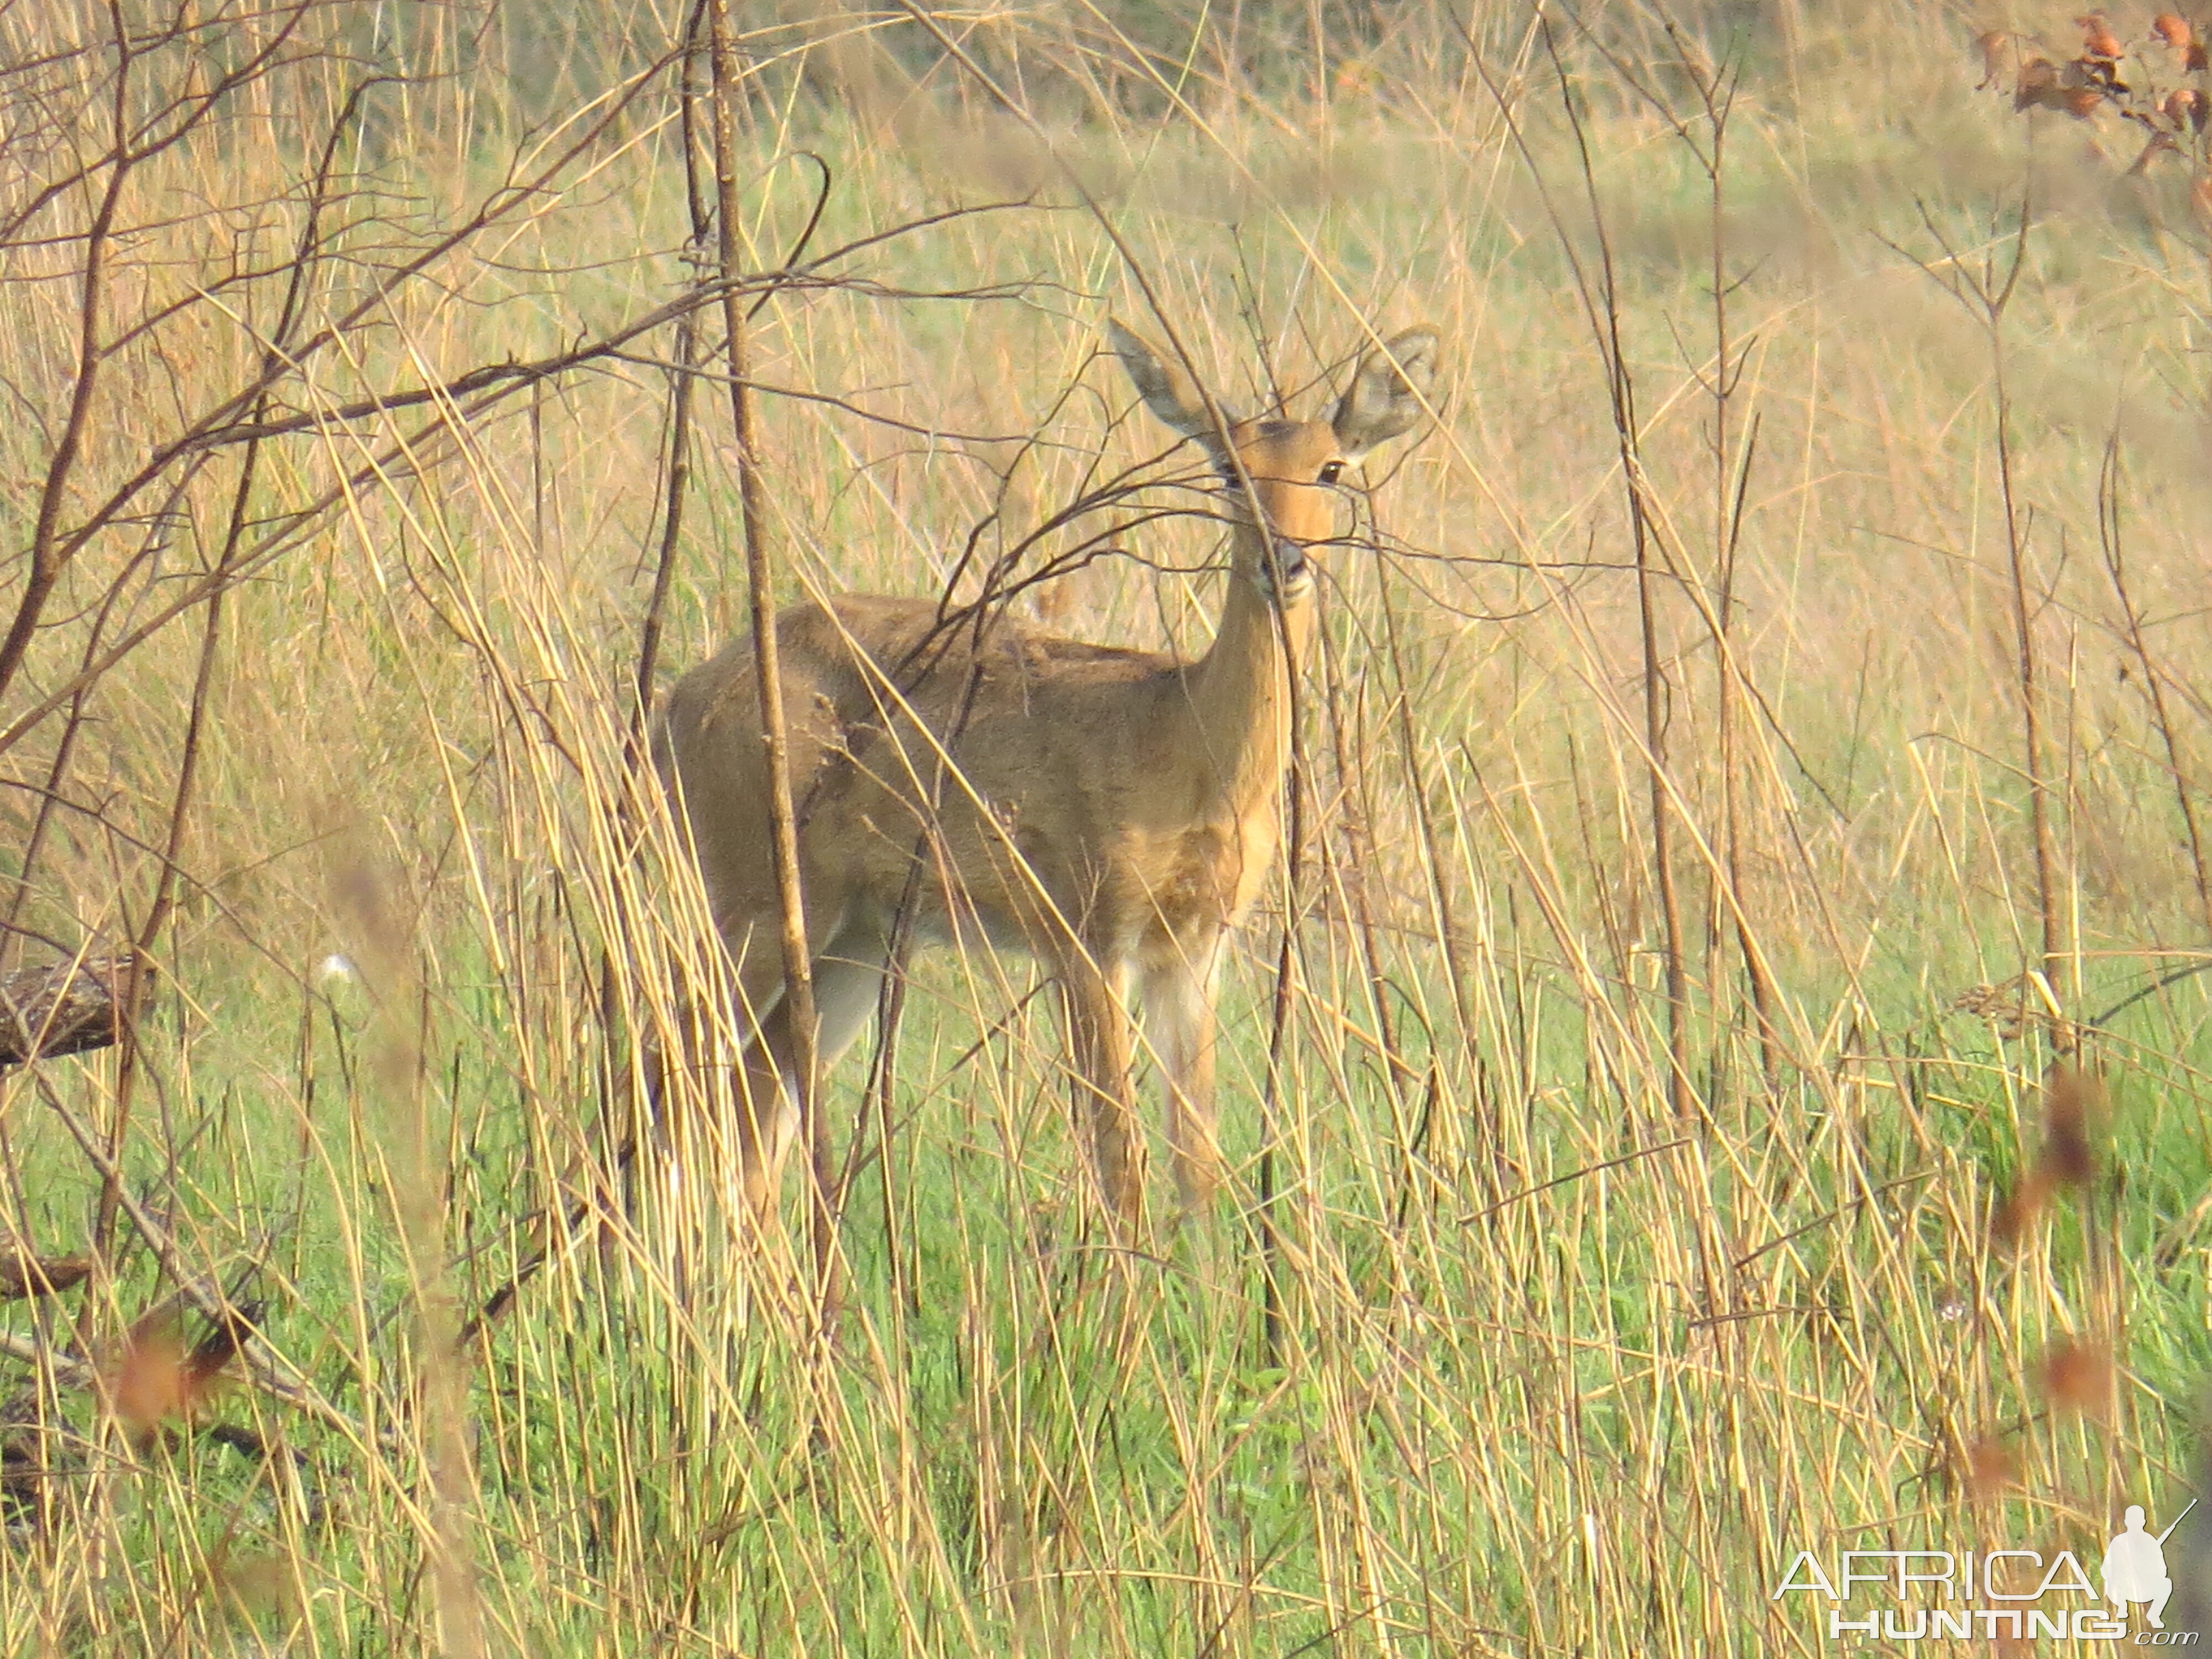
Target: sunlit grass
[{"x": 1557, "y": 1372}]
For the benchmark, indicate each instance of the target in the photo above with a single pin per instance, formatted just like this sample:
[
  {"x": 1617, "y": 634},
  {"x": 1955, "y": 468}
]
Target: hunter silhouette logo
[{"x": 2135, "y": 1567}]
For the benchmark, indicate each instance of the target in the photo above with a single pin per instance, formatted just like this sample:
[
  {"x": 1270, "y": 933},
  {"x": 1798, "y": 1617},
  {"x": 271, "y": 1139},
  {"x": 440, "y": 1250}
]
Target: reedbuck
[{"x": 1112, "y": 812}]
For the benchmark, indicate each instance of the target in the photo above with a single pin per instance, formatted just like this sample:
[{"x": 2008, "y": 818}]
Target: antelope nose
[{"x": 1290, "y": 556}]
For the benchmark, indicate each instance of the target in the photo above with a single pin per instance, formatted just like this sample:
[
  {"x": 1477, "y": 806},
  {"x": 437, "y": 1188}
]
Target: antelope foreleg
[
  {"x": 1103, "y": 1045},
  {"x": 1179, "y": 1019}
]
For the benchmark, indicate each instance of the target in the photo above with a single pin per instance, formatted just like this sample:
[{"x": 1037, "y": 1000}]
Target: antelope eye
[{"x": 1331, "y": 471}]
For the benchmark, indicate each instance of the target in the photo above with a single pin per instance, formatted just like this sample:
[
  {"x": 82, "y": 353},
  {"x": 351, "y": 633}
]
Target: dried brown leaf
[
  {"x": 1994, "y": 46},
  {"x": 2038, "y": 76},
  {"x": 2160, "y": 143},
  {"x": 2073, "y": 1114},
  {"x": 2077, "y": 1375},
  {"x": 148, "y": 1385},
  {"x": 1990, "y": 1469},
  {"x": 2097, "y": 39},
  {"x": 2020, "y": 1211},
  {"x": 157, "y": 1381}
]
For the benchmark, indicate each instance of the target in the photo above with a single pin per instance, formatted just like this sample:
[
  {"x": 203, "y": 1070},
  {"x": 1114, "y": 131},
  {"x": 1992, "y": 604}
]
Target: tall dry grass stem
[
  {"x": 1602, "y": 306},
  {"x": 729, "y": 81},
  {"x": 1985, "y": 289},
  {"x": 2110, "y": 484}
]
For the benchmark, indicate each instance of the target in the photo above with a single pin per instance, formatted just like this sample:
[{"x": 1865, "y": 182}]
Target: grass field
[{"x": 1739, "y": 1081}]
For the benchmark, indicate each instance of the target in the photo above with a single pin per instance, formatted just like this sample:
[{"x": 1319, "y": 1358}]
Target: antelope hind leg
[{"x": 849, "y": 975}]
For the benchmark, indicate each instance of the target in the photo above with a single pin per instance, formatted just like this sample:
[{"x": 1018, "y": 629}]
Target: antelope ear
[
  {"x": 1390, "y": 393},
  {"x": 1164, "y": 385}
]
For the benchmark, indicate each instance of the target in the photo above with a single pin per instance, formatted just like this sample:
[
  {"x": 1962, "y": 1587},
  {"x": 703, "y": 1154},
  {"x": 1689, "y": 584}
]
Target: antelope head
[{"x": 1285, "y": 470}]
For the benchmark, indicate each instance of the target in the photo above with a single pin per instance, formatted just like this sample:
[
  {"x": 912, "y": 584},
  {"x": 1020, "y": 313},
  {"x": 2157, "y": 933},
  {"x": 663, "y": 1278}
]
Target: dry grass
[{"x": 1563, "y": 1367}]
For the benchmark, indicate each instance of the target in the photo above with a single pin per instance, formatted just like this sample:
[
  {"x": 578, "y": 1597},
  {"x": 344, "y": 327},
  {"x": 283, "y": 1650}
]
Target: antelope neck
[{"x": 1239, "y": 690}]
